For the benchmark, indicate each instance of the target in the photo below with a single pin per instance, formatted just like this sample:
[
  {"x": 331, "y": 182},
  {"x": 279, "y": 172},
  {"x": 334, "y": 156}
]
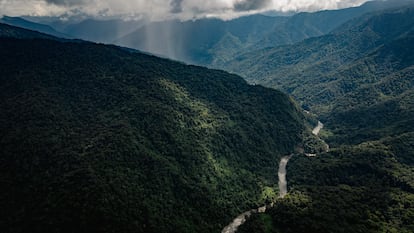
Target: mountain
[
  {"x": 102, "y": 31},
  {"x": 359, "y": 79},
  {"x": 208, "y": 41},
  {"x": 361, "y": 188},
  {"x": 20, "y": 22},
  {"x": 9, "y": 31},
  {"x": 213, "y": 42},
  {"x": 97, "y": 138},
  {"x": 197, "y": 41},
  {"x": 306, "y": 25},
  {"x": 106, "y": 31},
  {"x": 333, "y": 73}
]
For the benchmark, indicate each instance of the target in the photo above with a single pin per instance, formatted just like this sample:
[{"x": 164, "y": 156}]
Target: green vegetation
[
  {"x": 214, "y": 42},
  {"x": 20, "y": 33},
  {"x": 360, "y": 80},
  {"x": 362, "y": 188},
  {"x": 102, "y": 138},
  {"x": 262, "y": 223},
  {"x": 96, "y": 138}
]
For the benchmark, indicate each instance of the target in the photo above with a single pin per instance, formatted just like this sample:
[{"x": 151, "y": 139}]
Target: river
[
  {"x": 239, "y": 220},
  {"x": 282, "y": 176},
  {"x": 318, "y": 128}
]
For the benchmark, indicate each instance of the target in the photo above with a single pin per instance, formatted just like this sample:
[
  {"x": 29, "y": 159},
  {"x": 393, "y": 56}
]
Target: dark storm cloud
[
  {"x": 65, "y": 2},
  {"x": 176, "y": 6},
  {"x": 165, "y": 9},
  {"x": 247, "y": 5}
]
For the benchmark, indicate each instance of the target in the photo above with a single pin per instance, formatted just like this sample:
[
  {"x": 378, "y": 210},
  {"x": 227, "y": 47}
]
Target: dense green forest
[
  {"x": 203, "y": 41},
  {"x": 359, "y": 79},
  {"x": 213, "y": 42},
  {"x": 97, "y": 138},
  {"x": 364, "y": 188},
  {"x": 100, "y": 138}
]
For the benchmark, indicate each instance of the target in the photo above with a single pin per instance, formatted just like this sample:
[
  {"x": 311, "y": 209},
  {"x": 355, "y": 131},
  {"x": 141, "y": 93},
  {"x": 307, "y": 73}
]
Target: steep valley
[
  {"x": 102, "y": 138},
  {"x": 358, "y": 79},
  {"x": 107, "y": 139}
]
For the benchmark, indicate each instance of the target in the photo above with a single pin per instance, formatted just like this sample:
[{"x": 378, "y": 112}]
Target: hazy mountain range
[
  {"x": 366, "y": 63},
  {"x": 20, "y": 22},
  {"x": 204, "y": 41}
]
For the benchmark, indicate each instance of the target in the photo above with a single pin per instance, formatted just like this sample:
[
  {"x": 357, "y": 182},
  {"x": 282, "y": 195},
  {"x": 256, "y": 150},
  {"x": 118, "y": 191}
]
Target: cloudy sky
[{"x": 161, "y": 9}]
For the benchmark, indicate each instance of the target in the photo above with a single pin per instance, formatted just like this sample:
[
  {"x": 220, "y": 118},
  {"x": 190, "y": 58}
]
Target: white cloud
[
  {"x": 313, "y": 5},
  {"x": 161, "y": 9}
]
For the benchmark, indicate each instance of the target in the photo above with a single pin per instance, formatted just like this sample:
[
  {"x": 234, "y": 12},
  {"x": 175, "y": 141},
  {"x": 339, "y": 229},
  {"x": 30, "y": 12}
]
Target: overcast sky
[{"x": 161, "y": 9}]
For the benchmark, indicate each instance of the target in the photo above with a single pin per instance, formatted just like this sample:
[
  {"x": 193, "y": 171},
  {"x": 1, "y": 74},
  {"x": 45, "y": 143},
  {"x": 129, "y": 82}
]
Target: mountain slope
[
  {"x": 106, "y": 31},
  {"x": 193, "y": 41},
  {"x": 321, "y": 70},
  {"x": 207, "y": 41},
  {"x": 363, "y": 188},
  {"x": 20, "y": 22},
  {"x": 99, "y": 139},
  {"x": 204, "y": 41},
  {"x": 359, "y": 79},
  {"x": 379, "y": 102},
  {"x": 8, "y": 31}
]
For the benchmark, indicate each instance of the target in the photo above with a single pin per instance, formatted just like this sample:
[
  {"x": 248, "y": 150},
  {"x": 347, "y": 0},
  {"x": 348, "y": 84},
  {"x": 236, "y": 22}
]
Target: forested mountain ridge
[
  {"x": 95, "y": 138},
  {"x": 213, "y": 42},
  {"x": 359, "y": 79},
  {"x": 8, "y": 31},
  {"x": 105, "y": 31},
  {"x": 324, "y": 72},
  {"x": 209, "y": 41},
  {"x": 102, "y": 138},
  {"x": 22, "y": 23},
  {"x": 362, "y": 188}
]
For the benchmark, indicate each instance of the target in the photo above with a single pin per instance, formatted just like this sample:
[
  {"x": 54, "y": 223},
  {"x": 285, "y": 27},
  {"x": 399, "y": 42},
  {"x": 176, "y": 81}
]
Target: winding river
[
  {"x": 239, "y": 220},
  {"x": 318, "y": 128},
  {"x": 282, "y": 176}
]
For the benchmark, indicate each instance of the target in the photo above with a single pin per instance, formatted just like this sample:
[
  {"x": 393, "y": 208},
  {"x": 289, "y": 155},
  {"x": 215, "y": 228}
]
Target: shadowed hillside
[
  {"x": 95, "y": 138},
  {"x": 361, "y": 71}
]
